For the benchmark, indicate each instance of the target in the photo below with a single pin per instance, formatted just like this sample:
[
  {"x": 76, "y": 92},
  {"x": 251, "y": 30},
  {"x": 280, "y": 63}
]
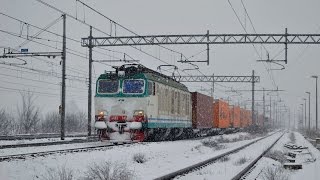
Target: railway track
[
  {"x": 242, "y": 174},
  {"x": 38, "y": 136},
  {"x": 6, "y": 146},
  {"x": 61, "y": 151},
  {"x": 212, "y": 160}
]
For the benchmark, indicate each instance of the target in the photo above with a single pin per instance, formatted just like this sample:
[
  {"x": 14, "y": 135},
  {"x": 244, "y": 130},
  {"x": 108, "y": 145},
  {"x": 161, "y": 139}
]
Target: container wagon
[
  {"x": 202, "y": 111},
  {"x": 221, "y": 115},
  {"x": 235, "y": 116}
]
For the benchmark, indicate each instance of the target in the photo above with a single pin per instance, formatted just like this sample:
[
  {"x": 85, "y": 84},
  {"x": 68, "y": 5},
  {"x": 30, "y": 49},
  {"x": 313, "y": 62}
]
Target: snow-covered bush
[
  {"x": 224, "y": 159},
  {"x": 274, "y": 173},
  {"x": 221, "y": 139},
  {"x": 241, "y": 137},
  {"x": 108, "y": 171},
  {"x": 60, "y": 173},
  {"x": 139, "y": 158},
  {"x": 212, "y": 144},
  {"x": 277, "y": 156},
  {"x": 241, "y": 161}
]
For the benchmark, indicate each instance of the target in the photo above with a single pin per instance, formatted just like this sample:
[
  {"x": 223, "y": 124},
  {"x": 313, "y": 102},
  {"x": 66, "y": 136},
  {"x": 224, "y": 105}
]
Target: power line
[
  {"x": 34, "y": 80},
  {"x": 46, "y": 30},
  {"x": 29, "y": 91},
  {"x": 83, "y": 22},
  {"x": 127, "y": 29},
  {"x": 50, "y": 63},
  {"x": 43, "y": 72},
  {"x": 36, "y": 92},
  {"x": 254, "y": 29},
  {"x": 40, "y": 32},
  {"x": 271, "y": 76}
]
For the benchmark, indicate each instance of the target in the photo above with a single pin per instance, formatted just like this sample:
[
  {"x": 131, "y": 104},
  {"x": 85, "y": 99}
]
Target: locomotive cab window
[
  {"x": 108, "y": 86},
  {"x": 133, "y": 86}
]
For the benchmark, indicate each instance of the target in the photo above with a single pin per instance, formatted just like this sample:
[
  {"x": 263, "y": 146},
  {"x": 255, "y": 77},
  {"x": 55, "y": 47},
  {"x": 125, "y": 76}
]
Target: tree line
[{"x": 29, "y": 120}]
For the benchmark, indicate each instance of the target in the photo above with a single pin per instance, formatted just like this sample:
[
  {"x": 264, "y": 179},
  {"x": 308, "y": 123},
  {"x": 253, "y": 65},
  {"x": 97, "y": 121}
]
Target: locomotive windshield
[
  {"x": 133, "y": 86},
  {"x": 108, "y": 86}
]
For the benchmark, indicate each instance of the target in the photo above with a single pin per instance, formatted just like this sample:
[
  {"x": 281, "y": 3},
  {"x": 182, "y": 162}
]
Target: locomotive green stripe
[{"x": 168, "y": 125}]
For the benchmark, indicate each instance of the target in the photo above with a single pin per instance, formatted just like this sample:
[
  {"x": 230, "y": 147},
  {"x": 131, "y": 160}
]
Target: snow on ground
[
  {"x": 309, "y": 171},
  {"x": 228, "y": 168},
  {"x": 162, "y": 158},
  {"x": 30, "y": 141}
]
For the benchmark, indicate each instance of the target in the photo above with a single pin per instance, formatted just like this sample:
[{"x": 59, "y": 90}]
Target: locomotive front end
[{"x": 120, "y": 103}]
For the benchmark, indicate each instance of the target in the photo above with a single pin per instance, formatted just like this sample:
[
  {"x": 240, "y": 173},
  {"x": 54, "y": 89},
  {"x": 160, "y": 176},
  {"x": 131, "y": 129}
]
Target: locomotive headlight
[
  {"x": 102, "y": 113},
  {"x": 139, "y": 113}
]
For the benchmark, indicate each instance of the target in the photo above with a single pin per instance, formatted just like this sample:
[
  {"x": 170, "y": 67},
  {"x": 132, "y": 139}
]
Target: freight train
[{"x": 135, "y": 103}]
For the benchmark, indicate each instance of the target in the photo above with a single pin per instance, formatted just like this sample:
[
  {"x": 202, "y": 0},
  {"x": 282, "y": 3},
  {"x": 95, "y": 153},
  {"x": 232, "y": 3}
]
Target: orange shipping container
[
  {"x": 221, "y": 114},
  {"x": 235, "y": 116}
]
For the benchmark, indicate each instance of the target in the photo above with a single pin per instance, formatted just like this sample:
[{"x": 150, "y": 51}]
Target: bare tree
[
  {"x": 28, "y": 113},
  {"x": 51, "y": 123},
  {"x": 6, "y": 123},
  {"x": 75, "y": 122}
]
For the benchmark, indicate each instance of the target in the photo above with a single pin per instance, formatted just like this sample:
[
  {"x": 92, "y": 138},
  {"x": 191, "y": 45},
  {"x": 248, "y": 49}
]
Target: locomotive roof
[{"x": 132, "y": 70}]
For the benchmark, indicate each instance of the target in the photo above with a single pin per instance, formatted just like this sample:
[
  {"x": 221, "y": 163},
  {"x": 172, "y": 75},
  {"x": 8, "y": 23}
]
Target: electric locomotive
[{"x": 134, "y": 103}]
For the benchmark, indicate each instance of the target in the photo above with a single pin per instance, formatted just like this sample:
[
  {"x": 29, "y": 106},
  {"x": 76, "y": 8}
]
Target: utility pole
[
  {"x": 316, "y": 77},
  {"x": 309, "y": 124},
  {"x": 63, "y": 93},
  {"x": 208, "y": 40},
  {"x": 252, "y": 106},
  {"x": 62, "y": 107},
  {"x": 276, "y": 114},
  {"x": 305, "y": 113},
  {"x": 212, "y": 85},
  {"x": 264, "y": 108},
  {"x": 90, "y": 83},
  {"x": 270, "y": 113}
]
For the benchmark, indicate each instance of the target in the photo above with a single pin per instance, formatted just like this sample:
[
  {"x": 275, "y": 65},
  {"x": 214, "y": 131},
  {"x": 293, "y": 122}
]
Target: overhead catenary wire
[
  {"x": 94, "y": 28},
  {"x": 56, "y": 34},
  {"x": 254, "y": 29},
  {"x": 268, "y": 71},
  {"x": 127, "y": 29},
  {"x": 78, "y": 71},
  {"x": 104, "y": 32},
  {"x": 36, "y": 92},
  {"x": 39, "y": 33}
]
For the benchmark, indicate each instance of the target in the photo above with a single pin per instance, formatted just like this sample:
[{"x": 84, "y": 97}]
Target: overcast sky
[{"x": 149, "y": 17}]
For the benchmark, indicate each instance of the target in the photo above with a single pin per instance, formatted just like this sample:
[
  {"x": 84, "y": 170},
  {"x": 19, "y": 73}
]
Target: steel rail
[
  {"x": 45, "y": 153},
  {"x": 248, "y": 168},
  {"x": 6, "y": 146},
  {"x": 207, "y": 162},
  {"x": 37, "y": 136}
]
